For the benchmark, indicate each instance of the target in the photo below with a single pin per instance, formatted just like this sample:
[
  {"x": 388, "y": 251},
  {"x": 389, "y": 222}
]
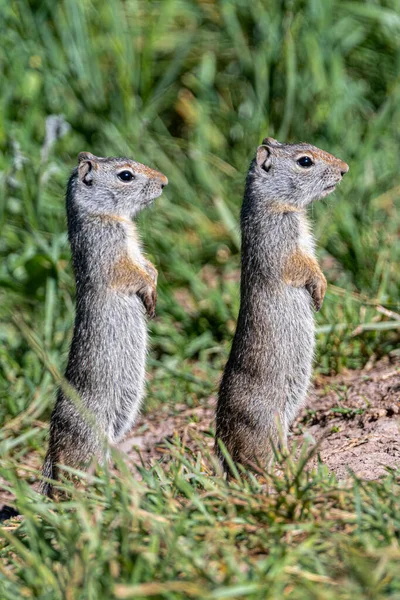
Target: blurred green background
[{"x": 191, "y": 87}]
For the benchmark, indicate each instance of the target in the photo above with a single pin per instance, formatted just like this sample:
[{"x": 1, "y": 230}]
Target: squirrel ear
[
  {"x": 271, "y": 142},
  {"x": 85, "y": 167},
  {"x": 263, "y": 158},
  {"x": 82, "y": 156}
]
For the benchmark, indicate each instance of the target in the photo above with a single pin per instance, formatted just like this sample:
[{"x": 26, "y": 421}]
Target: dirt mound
[{"x": 355, "y": 416}]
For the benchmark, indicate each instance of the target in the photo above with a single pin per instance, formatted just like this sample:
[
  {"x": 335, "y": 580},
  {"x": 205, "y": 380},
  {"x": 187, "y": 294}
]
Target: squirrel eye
[
  {"x": 126, "y": 176},
  {"x": 305, "y": 161}
]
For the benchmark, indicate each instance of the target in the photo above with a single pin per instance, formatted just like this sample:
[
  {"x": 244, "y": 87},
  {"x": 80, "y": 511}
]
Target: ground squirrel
[
  {"x": 115, "y": 288},
  {"x": 268, "y": 371}
]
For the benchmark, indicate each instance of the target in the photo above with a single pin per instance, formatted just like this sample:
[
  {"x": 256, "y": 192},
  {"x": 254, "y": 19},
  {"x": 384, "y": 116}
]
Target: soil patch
[{"x": 355, "y": 417}]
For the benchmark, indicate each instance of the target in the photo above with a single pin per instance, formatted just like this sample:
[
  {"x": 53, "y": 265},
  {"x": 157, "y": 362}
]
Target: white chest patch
[
  {"x": 133, "y": 243},
  {"x": 306, "y": 240}
]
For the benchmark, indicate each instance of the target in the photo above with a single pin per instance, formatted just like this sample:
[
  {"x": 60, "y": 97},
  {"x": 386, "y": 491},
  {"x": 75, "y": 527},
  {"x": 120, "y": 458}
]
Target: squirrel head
[
  {"x": 294, "y": 174},
  {"x": 115, "y": 186}
]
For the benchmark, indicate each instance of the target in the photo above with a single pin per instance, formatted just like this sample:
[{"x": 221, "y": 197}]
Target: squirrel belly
[
  {"x": 107, "y": 360},
  {"x": 106, "y": 368},
  {"x": 267, "y": 375}
]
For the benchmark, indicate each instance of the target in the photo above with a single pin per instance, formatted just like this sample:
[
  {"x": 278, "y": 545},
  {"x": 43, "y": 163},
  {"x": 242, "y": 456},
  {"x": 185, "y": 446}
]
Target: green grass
[
  {"x": 191, "y": 87},
  {"x": 181, "y": 533}
]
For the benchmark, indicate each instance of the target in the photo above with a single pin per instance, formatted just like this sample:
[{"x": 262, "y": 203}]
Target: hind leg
[
  {"x": 72, "y": 443},
  {"x": 250, "y": 438}
]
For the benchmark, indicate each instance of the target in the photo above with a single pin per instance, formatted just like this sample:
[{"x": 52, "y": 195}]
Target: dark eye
[
  {"x": 126, "y": 176},
  {"x": 305, "y": 161}
]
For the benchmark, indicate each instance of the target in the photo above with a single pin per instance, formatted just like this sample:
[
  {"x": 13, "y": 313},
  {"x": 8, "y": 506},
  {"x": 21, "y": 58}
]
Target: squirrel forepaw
[
  {"x": 149, "y": 298},
  {"x": 317, "y": 290}
]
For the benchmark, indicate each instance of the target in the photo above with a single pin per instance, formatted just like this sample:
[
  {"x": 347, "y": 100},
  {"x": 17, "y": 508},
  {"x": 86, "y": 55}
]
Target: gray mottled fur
[
  {"x": 267, "y": 375},
  {"x": 106, "y": 364}
]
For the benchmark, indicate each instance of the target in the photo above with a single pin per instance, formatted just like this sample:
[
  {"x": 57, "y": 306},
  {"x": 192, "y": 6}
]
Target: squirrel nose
[{"x": 163, "y": 180}]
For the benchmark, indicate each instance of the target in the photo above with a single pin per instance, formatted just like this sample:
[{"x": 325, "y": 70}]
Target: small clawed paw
[
  {"x": 317, "y": 299},
  {"x": 149, "y": 299},
  {"x": 317, "y": 291}
]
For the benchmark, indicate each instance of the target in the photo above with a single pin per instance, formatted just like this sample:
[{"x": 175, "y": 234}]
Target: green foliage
[
  {"x": 179, "y": 533},
  {"x": 191, "y": 87}
]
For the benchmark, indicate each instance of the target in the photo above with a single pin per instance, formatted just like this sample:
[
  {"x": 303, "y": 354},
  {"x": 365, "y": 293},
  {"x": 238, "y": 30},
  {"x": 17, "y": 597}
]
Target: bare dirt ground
[{"x": 355, "y": 417}]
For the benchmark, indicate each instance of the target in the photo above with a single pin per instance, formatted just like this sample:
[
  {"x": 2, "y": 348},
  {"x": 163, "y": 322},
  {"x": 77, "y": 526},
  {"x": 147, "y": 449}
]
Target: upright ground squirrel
[
  {"x": 268, "y": 371},
  {"x": 115, "y": 288}
]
